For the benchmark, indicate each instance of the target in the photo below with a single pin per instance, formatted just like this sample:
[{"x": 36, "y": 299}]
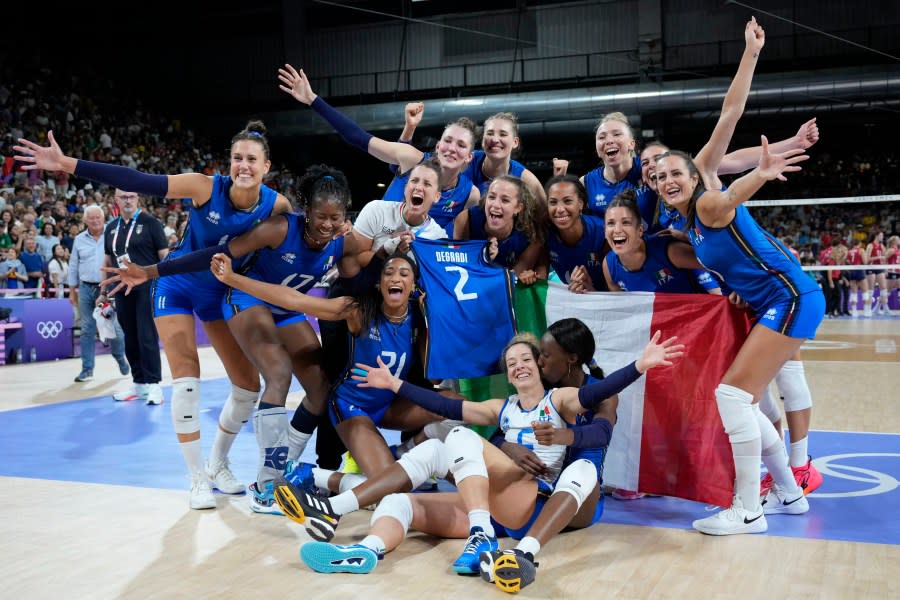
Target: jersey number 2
[{"x": 463, "y": 278}]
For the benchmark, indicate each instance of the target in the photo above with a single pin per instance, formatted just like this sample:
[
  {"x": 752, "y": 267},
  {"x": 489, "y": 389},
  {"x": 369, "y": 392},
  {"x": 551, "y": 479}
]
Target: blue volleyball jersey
[
  {"x": 394, "y": 343},
  {"x": 601, "y": 192},
  {"x": 751, "y": 261},
  {"x": 444, "y": 210},
  {"x": 293, "y": 263},
  {"x": 657, "y": 274},
  {"x": 587, "y": 252},
  {"x": 468, "y": 308},
  {"x": 509, "y": 250},
  {"x": 482, "y": 181},
  {"x": 217, "y": 221}
]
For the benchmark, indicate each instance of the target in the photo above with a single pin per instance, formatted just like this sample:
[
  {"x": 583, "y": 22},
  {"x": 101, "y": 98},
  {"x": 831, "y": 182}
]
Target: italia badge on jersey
[{"x": 663, "y": 276}]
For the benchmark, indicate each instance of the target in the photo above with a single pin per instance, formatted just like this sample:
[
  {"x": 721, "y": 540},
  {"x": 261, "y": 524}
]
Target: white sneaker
[
  {"x": 223, "y": 479},
  {"x": 777, "y": 502},
  {"x": 136, "y": 392},
  {"x": 201, "y": 494},
  {"x": 733, "y": 520},
  {"x": 154, "y": 394}
]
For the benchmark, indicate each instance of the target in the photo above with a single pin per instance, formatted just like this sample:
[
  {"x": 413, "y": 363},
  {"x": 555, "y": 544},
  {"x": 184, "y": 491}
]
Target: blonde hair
[{"x": 527, "y": 338}]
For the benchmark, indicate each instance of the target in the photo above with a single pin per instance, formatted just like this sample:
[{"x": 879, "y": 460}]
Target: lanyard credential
[{"x": 127, "y": 237}]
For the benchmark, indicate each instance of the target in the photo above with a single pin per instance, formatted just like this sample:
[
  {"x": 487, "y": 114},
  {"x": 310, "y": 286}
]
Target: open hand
[
  {"x": 658, "y": 353},
  {"x": 128, "y": 276},
  {"x": 379, "y": 377},
  {"x": 296, "y": 84},
  {"x": 774, "y": 166},
  {"x": 47, "y": 158},
  {"x": 527, "y": 460}
]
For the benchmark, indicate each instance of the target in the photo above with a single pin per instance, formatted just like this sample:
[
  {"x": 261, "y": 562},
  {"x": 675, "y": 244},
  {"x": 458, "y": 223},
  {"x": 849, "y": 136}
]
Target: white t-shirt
[
  {"x": 62, "y": 275},
  {"x": 379, "y": 220}
]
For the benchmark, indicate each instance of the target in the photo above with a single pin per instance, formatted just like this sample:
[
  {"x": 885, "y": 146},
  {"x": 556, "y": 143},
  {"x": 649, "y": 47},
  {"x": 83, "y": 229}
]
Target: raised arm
[
  {"x": 712, "y": 153},
  {"x": 745, "y": 159},
  {"x": 717, "y": 208},
  {"x": 196, "y": 186},
  {"x": 572, "y": 401},
  {"x": 476, "y": 413},
  {"x": 297, "y": 85}
]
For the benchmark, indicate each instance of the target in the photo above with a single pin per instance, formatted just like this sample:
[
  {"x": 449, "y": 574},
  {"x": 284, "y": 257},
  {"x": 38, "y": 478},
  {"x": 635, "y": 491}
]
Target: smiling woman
[{"x": 222, "y": 207}]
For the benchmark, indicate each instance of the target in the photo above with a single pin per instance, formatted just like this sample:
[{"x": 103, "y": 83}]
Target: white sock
[
  {"x": 529, "y": 544},
  {"x": 746, "y": 468},
  {"x": 345, "y": 502},
  {"x": 481, "y": 518},
  {"x": 321, "y": 476},
  {"x": 373, "y": 542},
  {"x": 296, "y": 442},
  {"x": 192, "y": 457},
  {"x": 350, "y": 481},
  {"x": 799, "y": 452},
  {"x": 221, "y": 445}
]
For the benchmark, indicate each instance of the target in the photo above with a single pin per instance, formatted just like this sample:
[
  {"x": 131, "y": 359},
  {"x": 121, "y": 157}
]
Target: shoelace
[{"x": 474, "y": 542}]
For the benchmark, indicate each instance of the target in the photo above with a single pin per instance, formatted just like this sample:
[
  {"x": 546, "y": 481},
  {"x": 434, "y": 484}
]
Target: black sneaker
[
  {"x": 313, "y": 512},
  {"x": 509, "y": 570},
  {"x": 85, "y": 375}
]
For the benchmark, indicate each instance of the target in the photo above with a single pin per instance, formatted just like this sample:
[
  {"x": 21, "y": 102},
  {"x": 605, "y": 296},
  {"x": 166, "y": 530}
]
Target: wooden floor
[{"x": 75, "y": 540}]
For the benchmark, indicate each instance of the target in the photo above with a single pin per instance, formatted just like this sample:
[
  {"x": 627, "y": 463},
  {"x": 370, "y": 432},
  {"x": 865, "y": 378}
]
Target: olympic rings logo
[
  {"x": 49, "y": 329},
  {"x": 878, "y": 483}
]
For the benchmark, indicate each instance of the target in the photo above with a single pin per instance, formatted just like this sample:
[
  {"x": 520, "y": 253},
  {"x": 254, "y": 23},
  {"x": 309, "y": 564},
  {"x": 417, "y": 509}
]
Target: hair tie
[
  {"x": 592, "y": 363},
  {"x": 254, "y": 134},
  {"x": 327, "y": 178}
]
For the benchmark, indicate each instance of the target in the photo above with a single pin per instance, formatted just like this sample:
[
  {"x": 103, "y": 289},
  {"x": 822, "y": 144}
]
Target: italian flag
[{"x": 669, "y": 439}]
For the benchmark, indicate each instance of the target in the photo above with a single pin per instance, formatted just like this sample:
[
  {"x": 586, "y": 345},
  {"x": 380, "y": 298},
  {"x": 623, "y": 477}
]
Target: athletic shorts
[
  {"x": 796, "y": 318},
  {"x": 857, "y": 275},
  {"x": 236, "y": 301},
  {"x": 340, "y": 410},
  {"x": 185, "y": 294},
  {"x": 873, "y": 271},
  {"x": 893, "y": 275},
  {"x": 544, "y": 493}
]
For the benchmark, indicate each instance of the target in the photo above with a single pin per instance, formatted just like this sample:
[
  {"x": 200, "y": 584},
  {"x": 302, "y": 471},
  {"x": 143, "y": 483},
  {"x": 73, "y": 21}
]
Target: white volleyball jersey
[{"x": 515, "y": 423}]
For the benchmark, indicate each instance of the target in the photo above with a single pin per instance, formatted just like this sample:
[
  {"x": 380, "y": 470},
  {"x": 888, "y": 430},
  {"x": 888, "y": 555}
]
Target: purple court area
[{"x": 101, "y": 441}]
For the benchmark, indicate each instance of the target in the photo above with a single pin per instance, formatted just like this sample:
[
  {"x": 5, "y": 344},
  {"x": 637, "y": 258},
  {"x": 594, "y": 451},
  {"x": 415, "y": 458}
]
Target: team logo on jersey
[
  {"x": 697, "y": 235},
  {"x": 663, "y": 276},
  {"x": 213, "y": 217},
  {"x": 593, "y": 259},
  {"x": 544, "y": 414},
  {"x": 599, "y": 199},
  {"x": 138, "y": 229},
  {"x": 704, "y": 278},
  {"x": 622, "y": 285},
  {"x": 771, "y": 314},
  {"x": 289, "y": 257},
  {"x": 374, "y": 334},
  {"x": 328, "y": 263}
]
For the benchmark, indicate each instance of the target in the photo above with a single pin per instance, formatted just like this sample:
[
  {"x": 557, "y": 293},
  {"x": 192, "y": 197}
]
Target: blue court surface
[{"x": 101, "y": 441}]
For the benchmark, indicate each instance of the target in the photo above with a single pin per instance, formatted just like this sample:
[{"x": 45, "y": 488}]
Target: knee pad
[
  {"x": 578, "y": 479},
  {"x": 397, "y": 507},
  {"x": 768, "y": 406},
  {"x": 439, "y": 430},
  {"x": 735, "y": 410},
  {"x": 465, "y": 454},
  {"x": 350, "y": 481},
  {"x": 237, "y": 410},
  {"x": 186, "y": 405},
  {"x": 427, "y": 459},
  {"x": 792, "y": 386}
]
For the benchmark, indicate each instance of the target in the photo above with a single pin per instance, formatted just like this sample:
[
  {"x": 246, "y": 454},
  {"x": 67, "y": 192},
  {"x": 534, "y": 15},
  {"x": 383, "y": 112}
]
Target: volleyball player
[{"x": 875, "y": 255}]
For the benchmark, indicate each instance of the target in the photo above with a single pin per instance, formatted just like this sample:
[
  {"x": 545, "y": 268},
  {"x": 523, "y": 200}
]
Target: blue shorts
[
  {"x": 857, "y": 275},
  {"x": 873, "y": 271},
  {"x": 186, "y": 294},
  {"x": 236, "y": 301},
  {"x": 893, "y": 275},
  {"x": 340, "y": 410},
  {"x": 544, "y": 493},
  {"x": 796, "y": 318}
]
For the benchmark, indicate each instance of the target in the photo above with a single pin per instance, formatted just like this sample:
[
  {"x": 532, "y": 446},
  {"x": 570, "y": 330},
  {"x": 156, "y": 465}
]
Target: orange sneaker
[{"x": 808, "y": 477}]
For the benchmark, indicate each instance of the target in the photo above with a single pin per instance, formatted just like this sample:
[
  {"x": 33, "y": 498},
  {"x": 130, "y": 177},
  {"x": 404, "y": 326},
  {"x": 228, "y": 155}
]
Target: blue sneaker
[
  {"x": 478, "y": 542},
  {"x": 263, "y": 502},
  {"x": 300, "y": 474},
  {"x": 331, "y": 558}
]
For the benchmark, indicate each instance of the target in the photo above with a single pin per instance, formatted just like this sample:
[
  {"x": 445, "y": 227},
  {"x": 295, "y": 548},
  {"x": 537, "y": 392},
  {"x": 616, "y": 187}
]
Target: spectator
[
  {"x": 12, "y": 272},
  {"x": 46, "y": 240},
  {"x": 58, "y": 269},
  {"x": 34, "y": 264},
  {"x": 84, "y": 282}
]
